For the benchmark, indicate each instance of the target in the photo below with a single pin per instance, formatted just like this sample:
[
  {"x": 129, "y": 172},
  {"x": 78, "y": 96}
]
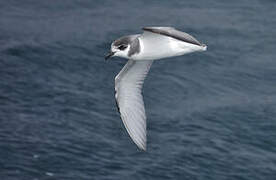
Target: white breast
[{"x": 155, "y": 46}]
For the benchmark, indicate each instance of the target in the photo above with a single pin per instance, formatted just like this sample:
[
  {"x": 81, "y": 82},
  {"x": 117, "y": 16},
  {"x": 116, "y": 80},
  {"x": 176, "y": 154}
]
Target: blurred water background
[{"x": 211, "y": 115}]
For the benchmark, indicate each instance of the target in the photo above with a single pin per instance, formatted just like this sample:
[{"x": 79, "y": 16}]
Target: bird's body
[{"x": 141, "y": 50}]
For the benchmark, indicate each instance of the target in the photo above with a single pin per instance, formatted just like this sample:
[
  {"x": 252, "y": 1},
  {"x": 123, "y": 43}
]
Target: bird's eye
[{"x": 122, "y": 47}]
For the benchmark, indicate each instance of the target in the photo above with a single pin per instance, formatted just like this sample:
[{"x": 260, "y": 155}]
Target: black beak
[{"x": 110, "y": 54}]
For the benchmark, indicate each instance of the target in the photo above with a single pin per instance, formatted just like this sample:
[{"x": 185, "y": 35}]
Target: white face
[{"x": 121, "y": 50}]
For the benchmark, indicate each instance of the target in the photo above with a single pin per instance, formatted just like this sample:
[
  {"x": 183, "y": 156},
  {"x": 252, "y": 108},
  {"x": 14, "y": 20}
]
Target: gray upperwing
[{"x": 172, "y": 32}]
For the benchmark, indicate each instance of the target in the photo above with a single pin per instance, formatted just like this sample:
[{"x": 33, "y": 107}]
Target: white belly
[{"x": 164, "y": 47}]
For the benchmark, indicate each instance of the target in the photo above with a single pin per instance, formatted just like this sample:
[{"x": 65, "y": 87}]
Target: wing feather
[{"x": 128, "y": 89}]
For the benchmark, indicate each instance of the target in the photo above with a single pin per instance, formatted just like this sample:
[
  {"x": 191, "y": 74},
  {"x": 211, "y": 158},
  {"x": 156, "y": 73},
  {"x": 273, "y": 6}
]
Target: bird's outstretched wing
[
  {"x": 173, "y": 33},
  {"x": 128, "y": 94}
]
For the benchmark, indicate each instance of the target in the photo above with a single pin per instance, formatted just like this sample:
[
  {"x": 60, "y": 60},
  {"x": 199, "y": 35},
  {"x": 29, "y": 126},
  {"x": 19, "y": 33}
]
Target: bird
[{"x": 141, "y": 50}]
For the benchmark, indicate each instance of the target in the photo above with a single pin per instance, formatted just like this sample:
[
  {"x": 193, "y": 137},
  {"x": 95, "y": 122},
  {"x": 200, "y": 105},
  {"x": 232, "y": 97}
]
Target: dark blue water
[{"x": 211, "y": 115}]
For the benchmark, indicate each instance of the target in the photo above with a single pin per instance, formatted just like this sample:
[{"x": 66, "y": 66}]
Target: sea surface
[{"x": 211, "y": 115}]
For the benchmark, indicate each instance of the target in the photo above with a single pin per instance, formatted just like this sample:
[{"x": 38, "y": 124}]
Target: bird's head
[{"x": 120, "y": 48}]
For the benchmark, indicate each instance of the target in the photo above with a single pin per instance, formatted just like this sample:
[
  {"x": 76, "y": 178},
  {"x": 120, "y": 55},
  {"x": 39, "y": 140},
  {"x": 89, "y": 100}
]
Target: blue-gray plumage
[{"x": 141, "y": 50}]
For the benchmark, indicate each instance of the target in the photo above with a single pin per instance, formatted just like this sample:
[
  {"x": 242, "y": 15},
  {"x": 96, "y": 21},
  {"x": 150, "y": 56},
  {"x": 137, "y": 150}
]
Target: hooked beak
[{"x": 110, "y": 54}]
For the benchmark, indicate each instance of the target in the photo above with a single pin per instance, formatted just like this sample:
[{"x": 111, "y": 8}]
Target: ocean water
[{"x": 211, "y": 115}]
